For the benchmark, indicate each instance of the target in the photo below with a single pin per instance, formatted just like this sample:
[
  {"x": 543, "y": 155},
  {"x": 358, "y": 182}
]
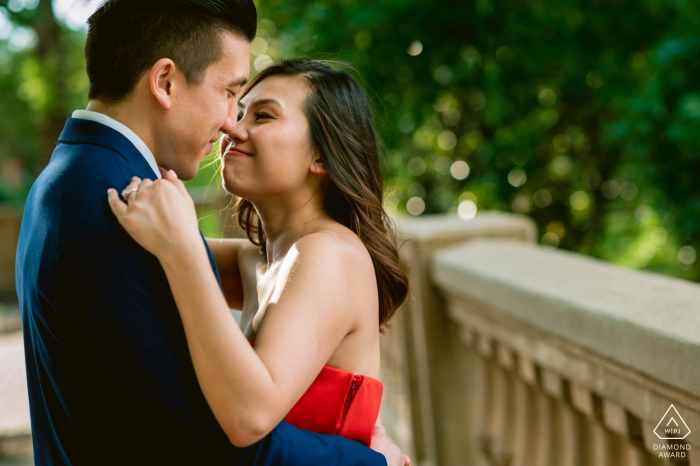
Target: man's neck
[{"x": 132, "y": 118}]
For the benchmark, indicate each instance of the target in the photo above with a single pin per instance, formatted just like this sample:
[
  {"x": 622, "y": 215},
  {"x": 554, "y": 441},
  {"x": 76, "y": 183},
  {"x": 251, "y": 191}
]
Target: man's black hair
[{"x": 126, "y": 37}]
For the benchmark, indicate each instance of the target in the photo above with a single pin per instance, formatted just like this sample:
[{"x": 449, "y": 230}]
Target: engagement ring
[{"x": 127, "y": 191}]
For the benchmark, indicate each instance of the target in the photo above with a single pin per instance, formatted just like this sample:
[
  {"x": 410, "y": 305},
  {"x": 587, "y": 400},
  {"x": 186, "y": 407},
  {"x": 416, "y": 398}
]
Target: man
[{"x": 110, "y": 378}]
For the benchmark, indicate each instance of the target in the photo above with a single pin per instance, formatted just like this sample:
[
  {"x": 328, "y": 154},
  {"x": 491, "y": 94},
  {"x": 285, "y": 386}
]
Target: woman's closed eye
[
  {"x": 258, "y": 116},
  {"x": 262, "y": 115}
]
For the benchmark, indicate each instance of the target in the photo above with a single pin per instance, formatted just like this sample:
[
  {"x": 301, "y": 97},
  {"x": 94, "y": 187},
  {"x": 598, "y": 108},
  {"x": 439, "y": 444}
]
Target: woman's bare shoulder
[
  {"x": 335, "y": 240},
  {"x": 336, "y": 247}
]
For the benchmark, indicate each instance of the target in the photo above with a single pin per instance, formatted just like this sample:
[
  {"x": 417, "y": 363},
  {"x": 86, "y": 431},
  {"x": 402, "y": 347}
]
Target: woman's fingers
[
  {"x": 144, "y": 185},
  {"x": 171, "y": 176},
  {"x": 118, "y": 206}
]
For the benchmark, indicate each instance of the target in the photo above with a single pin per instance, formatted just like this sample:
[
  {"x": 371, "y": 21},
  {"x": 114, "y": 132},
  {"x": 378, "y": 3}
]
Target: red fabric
[{"x": 334, "y": 405}]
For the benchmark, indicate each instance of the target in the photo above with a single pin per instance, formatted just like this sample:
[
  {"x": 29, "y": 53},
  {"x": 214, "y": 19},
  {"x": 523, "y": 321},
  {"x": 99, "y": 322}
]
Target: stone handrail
[{"x": 540, "y": 357}]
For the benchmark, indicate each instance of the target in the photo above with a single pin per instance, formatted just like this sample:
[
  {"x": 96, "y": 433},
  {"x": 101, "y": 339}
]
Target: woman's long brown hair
[{"x": 342, "y": 129}]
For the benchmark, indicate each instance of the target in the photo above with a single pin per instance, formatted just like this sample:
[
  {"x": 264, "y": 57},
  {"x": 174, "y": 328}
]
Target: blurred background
[
  {"x": 584, "y": 115},
  {"x": 581, "y": 114}
]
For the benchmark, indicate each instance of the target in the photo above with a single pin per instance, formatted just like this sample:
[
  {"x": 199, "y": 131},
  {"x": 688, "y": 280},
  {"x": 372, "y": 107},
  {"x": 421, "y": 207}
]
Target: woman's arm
[
  {"x": 225, "y": 252},
  {"x": 249, "y": 391}
]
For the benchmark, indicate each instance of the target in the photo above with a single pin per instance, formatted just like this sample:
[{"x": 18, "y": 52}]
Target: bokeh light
[
  {"x": 561, "y": 166},
  {"x": 262, "y": 62},
  {"x": 542, "y": 198},
  {"x": 415, "y": 48},
  {"x": 467, "y": 195},
  {"x": 466, "y": 209},
  {"x": 562, "y": 143},
  {"x": 549, "y": 241},
  {"x": 521, "y": 204},
  {"x": 415, "y": 206},
  {"x": 580, "y": 200},
  {"x": 610, "y": 189},
  {"x": 443, "y": 74},
  {"x": 547, "y": 97},
  {"x": 459, "y": 170},
  {"x": 556, "y": 228},
  {"x": 258, "y": 46},
  {"x": 451, "y": 116},
  {"x": 416, "y": 166},
  {"x": 447, "y": 140},
  {"x": 517, "y": 177},
  {"x": 267, "y": 25},
  {"x": 687, "y": 255}
]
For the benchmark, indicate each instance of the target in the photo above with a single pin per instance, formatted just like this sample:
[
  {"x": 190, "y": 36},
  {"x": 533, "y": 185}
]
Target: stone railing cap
[
  {"x": 644, "y": 320},
  {"x": 439, "y": 227}
]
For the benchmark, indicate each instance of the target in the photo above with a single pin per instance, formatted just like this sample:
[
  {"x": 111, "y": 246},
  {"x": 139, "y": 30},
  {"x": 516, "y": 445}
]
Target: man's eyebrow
[{"x": 238, "y": 82}]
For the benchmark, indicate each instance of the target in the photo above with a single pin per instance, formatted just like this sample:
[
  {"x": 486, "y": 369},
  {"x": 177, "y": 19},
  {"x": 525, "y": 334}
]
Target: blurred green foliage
[
  {"x": 583, "y": 114},
  {"x": 42, "y": 79}
]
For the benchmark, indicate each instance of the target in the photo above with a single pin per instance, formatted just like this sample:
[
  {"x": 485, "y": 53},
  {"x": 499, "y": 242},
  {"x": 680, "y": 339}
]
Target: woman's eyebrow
[{"x": 262, "y": 102}]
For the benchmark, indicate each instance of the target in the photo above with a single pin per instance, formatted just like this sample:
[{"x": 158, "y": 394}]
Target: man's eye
[{"x": 230, "y": 93}]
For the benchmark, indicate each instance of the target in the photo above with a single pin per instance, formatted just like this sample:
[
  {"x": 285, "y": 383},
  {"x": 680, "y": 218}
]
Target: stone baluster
[
  {"x": 501, "y": 448},
  {"x": 526, "y": 430}
]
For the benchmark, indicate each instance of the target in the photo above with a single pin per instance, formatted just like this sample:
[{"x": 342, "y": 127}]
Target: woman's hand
[{"x": 160, "y": 215}]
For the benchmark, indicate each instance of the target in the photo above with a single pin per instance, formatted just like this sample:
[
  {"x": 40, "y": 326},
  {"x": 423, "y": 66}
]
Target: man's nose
[{"x": 229, "y": 126}]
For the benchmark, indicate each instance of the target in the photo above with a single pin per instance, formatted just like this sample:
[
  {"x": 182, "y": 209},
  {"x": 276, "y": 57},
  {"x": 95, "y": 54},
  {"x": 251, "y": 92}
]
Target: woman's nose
[{"x": 238, "y": 133}]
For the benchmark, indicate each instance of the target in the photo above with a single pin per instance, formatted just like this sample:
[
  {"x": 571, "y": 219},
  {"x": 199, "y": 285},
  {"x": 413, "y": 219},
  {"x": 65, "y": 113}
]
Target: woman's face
[{"x": 272, "y": 153}]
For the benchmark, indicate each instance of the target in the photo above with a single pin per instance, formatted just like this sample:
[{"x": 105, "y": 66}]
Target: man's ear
[{"x": 161, "y": 81}]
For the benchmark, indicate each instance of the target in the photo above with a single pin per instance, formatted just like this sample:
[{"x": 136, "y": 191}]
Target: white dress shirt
[{"x": 125, "y": 131}]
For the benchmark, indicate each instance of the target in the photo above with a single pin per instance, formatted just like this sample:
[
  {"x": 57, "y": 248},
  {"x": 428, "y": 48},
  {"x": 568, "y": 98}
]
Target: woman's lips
[
  {"x": 233, "y": 151},
  {"x": 236, "y": 153}
]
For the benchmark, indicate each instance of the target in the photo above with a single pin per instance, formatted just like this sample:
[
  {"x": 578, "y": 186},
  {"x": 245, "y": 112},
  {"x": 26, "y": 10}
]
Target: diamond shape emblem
[{"x": 672, "y": 426}]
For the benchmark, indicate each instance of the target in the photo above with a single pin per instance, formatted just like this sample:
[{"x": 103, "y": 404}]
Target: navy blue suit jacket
[{"x": 109, "y": 372}]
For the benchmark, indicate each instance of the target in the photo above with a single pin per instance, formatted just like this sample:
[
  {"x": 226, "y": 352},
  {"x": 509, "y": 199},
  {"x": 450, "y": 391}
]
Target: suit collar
[{"x": 79, "y": 131}]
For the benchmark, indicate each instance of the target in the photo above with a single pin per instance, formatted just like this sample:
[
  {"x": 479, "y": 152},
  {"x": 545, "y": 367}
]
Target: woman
[{"x": 319, "y": 276}]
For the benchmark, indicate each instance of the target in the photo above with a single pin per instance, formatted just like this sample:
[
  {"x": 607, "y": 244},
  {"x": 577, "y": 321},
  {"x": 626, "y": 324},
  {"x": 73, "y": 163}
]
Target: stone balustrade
[{"x": 511, "y": 354}]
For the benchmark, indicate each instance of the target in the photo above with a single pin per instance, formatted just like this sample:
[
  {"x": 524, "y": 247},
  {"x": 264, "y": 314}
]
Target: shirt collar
[{"x": 125, "y": 131}]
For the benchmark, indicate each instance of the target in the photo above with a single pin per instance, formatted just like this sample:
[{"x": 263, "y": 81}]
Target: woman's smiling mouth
[{"x": 233, "y": 151}]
